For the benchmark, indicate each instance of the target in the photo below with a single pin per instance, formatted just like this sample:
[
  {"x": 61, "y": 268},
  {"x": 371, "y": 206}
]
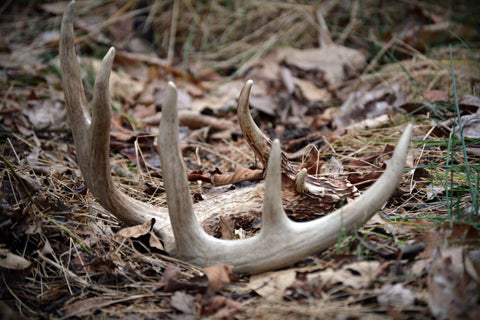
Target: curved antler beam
[
  {"x": 279, "y": 243},
  {"x": 91, "y": 136},
  {"x": 318, "y": 191}
]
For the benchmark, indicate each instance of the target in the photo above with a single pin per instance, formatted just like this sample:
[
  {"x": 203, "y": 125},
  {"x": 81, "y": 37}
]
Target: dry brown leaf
[
  {"x": 8, "y": 312},
  {"x": 171, "y": 277},
  {"x": 154, "y": 242},
  {"x": 218, "y": 276},
  {"x": 272, "y": 285},
  {"x": 241, "y": 174},
  {"x": 136, "y": 231}
]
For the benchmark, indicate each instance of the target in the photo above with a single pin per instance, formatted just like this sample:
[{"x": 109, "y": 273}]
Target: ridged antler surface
[{"x": 281, "y": 240}]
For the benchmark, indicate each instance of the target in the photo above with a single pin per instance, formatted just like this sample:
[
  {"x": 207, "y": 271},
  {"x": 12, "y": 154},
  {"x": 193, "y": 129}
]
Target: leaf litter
[{"x": 336, "y": 92}]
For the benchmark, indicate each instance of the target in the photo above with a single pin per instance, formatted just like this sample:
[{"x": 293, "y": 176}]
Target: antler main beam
[{"x": 279, "y": 243}]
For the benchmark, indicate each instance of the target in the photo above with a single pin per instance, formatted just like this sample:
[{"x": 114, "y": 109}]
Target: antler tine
[
  {"x": 274, "y": 219},
  {"x": 281, "y": 241},
  {"x": 260, "y": 144},
  {"x": 186, "y": 229},
  {"x": 92, "y": 136},
  {"x": 75, "y": 95},
  {"x": 316, "y": 187}
]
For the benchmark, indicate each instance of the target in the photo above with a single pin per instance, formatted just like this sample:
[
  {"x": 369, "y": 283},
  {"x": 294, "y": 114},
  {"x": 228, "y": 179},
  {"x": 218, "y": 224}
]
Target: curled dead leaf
[{"x": 241, "y": 174}]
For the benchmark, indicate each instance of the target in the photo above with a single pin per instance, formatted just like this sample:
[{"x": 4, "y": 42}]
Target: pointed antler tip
[
  {"x": 276, "y": 145},
  {"x": 110, "y": 55},
  {"x": 300, "y": 180},
  {"x": 409, "y": 128}
]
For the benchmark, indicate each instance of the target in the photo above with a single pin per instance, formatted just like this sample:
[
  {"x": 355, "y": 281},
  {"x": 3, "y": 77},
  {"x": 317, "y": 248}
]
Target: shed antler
[{"x": 281, "y": 240}]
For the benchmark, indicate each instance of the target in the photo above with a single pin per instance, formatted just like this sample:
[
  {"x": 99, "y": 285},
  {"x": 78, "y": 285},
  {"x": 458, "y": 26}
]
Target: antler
[{"x": 280, "y": 242}]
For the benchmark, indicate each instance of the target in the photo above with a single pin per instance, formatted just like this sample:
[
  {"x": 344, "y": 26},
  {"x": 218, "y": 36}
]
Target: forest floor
[{"x": 336, "y": 83}]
